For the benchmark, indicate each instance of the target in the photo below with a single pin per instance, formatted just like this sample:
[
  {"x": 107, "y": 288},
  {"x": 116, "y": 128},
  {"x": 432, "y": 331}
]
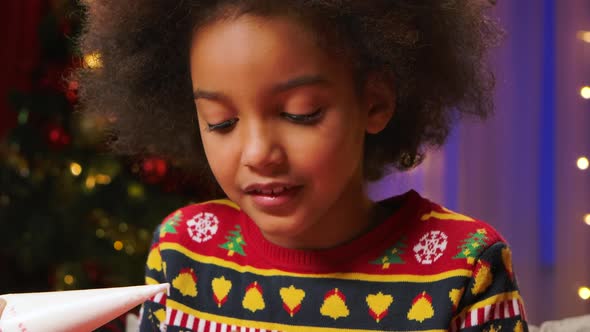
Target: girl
[{"x": 294, "y": 105}]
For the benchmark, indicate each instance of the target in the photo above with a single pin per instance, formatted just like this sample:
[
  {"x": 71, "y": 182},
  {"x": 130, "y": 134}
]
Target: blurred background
[{"x": 73, "y": 216}]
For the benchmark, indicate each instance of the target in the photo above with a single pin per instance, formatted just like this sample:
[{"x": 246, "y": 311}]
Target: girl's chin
[{"x": 281, "y": 230}]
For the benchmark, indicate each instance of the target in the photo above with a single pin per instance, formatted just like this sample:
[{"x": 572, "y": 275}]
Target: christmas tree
[
  {"x": 74, "y": 216},
  {"x": 235, "y": 242},
  {"x": 391, "y": 255},
  {"x": 473, "y": 245}
]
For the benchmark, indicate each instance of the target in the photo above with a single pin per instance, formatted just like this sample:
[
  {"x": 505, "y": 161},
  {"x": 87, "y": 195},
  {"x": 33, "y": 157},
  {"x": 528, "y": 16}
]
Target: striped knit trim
[
  {"x": 233, "y": 322},
  {"x": 181, "y": 319},
  {"x": 176, "y": 247},
  {"x": 159, "y": 298},
  {"x": 479, "y": 316}
]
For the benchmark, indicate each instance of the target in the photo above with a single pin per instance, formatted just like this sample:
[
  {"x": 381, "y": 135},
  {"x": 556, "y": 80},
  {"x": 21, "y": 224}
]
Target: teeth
[{"x": 273, "y": 191}]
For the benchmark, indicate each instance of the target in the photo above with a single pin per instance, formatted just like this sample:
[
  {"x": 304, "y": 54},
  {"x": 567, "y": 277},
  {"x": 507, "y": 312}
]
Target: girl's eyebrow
[
  {"x": 298, "y": 82},
  {"x": 278, "y": 88}
]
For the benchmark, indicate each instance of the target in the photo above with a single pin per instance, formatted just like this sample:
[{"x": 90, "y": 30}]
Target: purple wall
[{"x": 518, "y": 170}]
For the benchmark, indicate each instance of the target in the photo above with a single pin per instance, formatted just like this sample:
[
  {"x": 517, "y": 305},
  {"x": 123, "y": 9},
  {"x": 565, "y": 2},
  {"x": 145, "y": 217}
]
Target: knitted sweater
[{"x": 424, "y": 268}]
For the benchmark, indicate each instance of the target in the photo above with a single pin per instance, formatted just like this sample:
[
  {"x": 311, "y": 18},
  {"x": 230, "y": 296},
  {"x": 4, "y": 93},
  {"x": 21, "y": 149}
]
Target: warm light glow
[
  {"x": 585, "y": 92},
  {"x": 69, "y": 279},
  {"x": 93, "y": 60},
  {"x": 583, "y": 163},
  {"x": 103, "y": 179},
  {"x": 90, "y": 182},
  {"x": 143, "y": 234},
  {"x": 135, "y": 190},
  {"x": 584, "y": 293},
  {"x": 100, "y": 233},
  {"x": 75, "y": 168},
  {"x": 130, "y": 250},
  {"x": 118, "y": 245},
  {"x": 584, "y": 35},
  {"x": 587, "y": 219},
  {"x": 23, "y": 117},
  {"x": 123, "y": 227}
]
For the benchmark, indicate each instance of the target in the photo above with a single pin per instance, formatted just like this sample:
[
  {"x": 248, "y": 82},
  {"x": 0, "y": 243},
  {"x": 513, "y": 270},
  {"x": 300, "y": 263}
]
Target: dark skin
[
  {"x": 251, "y": 90},
  {"x": 434, "y": 51}
]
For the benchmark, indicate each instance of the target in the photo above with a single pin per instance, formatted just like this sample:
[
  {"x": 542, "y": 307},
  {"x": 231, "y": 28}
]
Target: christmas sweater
[{"x": 424, "y": 268}]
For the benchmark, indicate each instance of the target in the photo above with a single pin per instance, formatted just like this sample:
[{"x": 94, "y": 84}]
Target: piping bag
[{"x": 75, "y": 311}]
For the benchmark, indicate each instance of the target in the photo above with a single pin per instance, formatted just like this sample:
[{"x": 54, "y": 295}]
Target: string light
[
  {"x": 100, "y": 233},
  {"x": 75, "y": 168},
  {"x": 23, "y": 116},
  {"x": 585, "y": 92},
  {"x": 587, "y": 219},
  {"x": 583, "y": 163},
  {"x": 135, "y": 190},
  {"x": 143, "y": 234},
  {"x": 130, "y": 250},
  {"x": 104, "y": 222},
  {"x": 103, "y": 179},
  {"x": 584, "y": 35},
  {"x": 69, "y": 279},
  {"x": 584, "y": 293},
  {"x": 118, "y": 245},
  {"x": 90, "y": 182},
  {"x": 123, "y": 227},
  {"x": 93, "y": 60}
]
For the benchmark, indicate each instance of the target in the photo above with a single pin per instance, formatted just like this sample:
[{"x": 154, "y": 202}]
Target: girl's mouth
[{"x": 272, "y": 196}]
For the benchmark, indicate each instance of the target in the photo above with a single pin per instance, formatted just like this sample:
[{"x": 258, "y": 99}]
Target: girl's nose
[{"x": 261, "y": 149}]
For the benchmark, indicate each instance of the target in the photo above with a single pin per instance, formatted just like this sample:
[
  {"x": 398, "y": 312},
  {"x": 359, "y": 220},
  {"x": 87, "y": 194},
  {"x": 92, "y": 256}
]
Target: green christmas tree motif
[
  {"x": 473, "y": 245},
  {"x": 169, "y": 225},
  {"x": 235, "y": 242},
  {"x": 391, "y": 255}
]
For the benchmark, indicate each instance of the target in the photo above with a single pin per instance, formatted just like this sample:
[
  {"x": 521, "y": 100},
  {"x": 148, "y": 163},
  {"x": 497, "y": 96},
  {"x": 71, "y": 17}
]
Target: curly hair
[{"x": 435, "y": 51}]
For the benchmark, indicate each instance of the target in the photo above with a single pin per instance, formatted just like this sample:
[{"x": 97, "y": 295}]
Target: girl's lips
[{"x": 279, "y": 197}]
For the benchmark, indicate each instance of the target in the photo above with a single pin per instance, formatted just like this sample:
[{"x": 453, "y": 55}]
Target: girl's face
[{"x": 282, "y": 129}]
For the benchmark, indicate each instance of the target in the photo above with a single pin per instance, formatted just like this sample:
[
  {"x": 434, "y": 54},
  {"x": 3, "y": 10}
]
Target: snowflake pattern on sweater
[{"x": 425, "y": 268}]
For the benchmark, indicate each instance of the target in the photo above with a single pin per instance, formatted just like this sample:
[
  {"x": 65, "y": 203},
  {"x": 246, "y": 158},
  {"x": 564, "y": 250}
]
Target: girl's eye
[
  {"x": 225, "y": 125},
  {"x": 309, "y": 118}
]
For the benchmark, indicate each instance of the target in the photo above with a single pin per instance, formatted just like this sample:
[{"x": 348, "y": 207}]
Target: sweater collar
[{"x": 343, "y": 256}]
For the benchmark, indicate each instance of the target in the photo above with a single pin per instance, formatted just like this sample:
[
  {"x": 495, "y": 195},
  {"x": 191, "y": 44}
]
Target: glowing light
[
  {"x": 584, "y": 293},
  {"x": 104, "y": 222},
  {"x": 118, "y": 245},
  {"x": 135, "y": 190},
  {"x": 93, "y": 60},
  {"x": 23, "y": 117},
  {"x": 584, "y": 35},
  {"x": 75, "y": 168},
  {"x": 587, "y": 219},
  {"x": 583, "y": 163},
  {"x": 69, "y": 279},
  {"x": 585, "y": 92},
  {"x": 130, "y": 250},
  {"x": 123, "y": 227},
  {"x": 54, "y": 135},
  {"x": 103, "y": 179},
  {"x": 24, "y": 172},
  {"x": 100, "y": 233},
  {"x": 90, "y": 182},
  {"x": 143, "y": 234}
]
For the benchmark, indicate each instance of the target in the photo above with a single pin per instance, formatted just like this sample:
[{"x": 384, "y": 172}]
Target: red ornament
[
  {"x": 57, "y": 137},
  {"x": 154, "y": 169},
  {"x": 72, "y": 92}
]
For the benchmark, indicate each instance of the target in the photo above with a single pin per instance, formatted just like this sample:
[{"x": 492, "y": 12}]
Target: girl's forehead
[{"x": 260, "y": 49}]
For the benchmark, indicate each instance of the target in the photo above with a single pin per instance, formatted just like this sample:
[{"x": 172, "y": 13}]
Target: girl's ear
[{"x": 380, "y": 100}]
